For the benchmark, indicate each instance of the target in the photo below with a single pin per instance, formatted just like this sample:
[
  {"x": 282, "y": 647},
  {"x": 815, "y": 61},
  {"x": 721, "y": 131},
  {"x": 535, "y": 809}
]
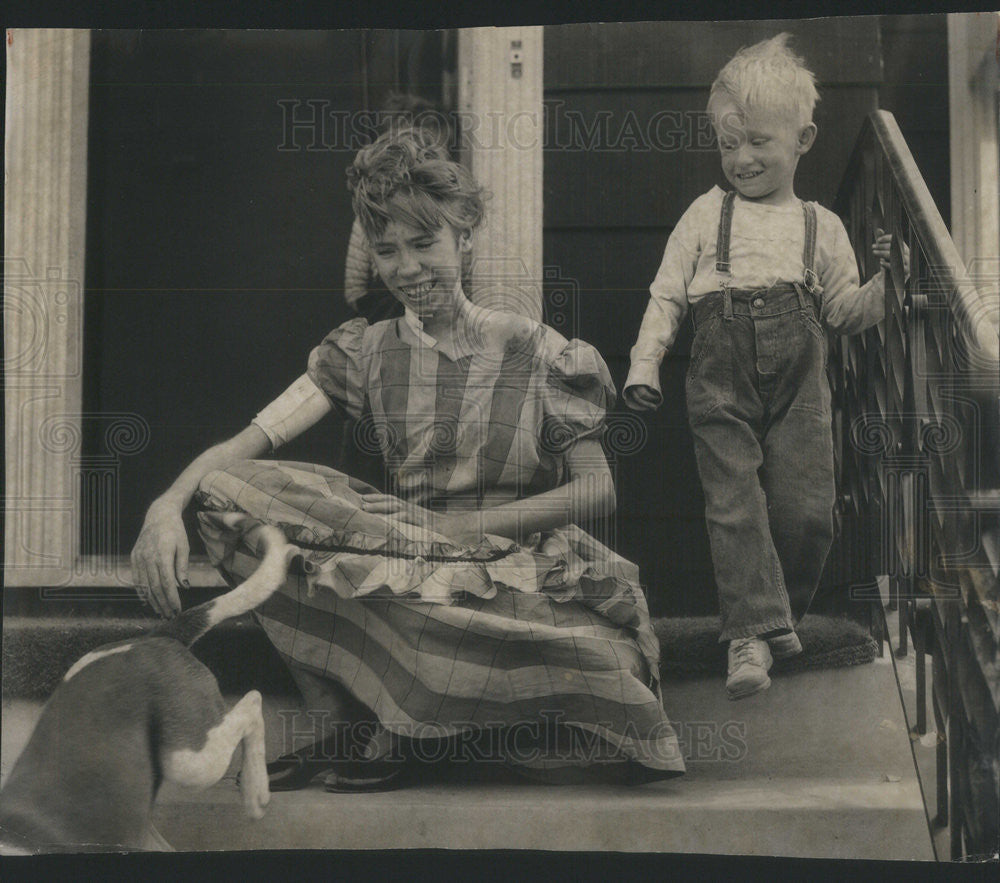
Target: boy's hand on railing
[
  {"x": 642, "y": 398},
  {"x": 882, "y": 249}
]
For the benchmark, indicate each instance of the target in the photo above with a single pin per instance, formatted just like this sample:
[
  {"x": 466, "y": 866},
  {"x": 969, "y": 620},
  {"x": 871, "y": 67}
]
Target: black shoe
[
  {"x": 365, "y": 776},
  {"x": 294, "y": 771}
]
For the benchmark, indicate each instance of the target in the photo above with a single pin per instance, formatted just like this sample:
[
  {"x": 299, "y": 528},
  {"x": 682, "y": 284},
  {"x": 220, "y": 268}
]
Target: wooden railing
[{"x": 916, "y": 405}]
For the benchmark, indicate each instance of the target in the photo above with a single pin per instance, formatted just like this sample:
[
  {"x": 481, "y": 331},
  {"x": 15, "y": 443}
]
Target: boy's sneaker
[
  {"x": 784, "y": 645},
  {"x": 749, "y": 661}
]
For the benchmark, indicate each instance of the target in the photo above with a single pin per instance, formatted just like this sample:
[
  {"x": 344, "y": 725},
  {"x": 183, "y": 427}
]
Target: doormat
[
  {"x": 689, "y": 645},
  {"x": 37, "y": 651}
]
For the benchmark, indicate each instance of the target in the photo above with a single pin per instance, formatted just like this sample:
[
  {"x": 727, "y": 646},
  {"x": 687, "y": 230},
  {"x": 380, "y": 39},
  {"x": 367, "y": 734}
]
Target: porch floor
[{"x": 818, "y": 765}]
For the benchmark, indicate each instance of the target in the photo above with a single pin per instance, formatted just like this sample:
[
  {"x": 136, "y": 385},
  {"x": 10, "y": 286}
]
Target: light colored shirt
[
  {"x": 765, "y": 248},
  {"x": 293, "y": 412}
]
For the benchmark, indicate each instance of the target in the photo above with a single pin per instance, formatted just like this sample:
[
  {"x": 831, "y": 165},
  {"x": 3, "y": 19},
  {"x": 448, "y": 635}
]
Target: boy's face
[{"x": 760, "y": 150}]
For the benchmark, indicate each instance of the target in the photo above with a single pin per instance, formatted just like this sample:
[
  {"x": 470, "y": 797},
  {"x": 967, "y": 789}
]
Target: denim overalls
[{"x": 759, "y": 407}]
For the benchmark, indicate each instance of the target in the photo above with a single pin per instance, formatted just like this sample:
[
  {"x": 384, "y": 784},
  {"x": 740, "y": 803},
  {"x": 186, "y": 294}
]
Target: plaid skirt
[{"x": 441, "y": 640}]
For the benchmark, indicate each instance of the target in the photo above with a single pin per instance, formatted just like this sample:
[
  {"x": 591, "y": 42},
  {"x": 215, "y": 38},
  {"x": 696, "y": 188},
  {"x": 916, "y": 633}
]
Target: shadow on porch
[{"x": 818, "y": 765}]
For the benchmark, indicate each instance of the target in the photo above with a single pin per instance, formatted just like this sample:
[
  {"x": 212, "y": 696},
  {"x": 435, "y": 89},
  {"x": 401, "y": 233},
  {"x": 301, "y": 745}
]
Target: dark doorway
[{"x": 218, "y": 222}]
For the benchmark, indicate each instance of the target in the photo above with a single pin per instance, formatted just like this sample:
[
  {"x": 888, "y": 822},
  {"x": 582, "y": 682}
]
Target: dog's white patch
[
  {"x": 204, "y": 767},
  {"x": 84, "y": 661}
]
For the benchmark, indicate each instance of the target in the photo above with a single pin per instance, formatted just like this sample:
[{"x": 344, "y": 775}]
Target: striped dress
[{"x": 438, "y": 639}]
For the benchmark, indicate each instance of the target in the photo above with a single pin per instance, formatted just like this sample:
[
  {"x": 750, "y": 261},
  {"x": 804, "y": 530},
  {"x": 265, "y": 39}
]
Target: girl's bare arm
[{"x": 160, "y": 556}]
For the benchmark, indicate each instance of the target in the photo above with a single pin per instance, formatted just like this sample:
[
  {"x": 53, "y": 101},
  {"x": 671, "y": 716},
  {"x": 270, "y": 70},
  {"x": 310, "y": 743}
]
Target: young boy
[{"x": 764, "y": 275}]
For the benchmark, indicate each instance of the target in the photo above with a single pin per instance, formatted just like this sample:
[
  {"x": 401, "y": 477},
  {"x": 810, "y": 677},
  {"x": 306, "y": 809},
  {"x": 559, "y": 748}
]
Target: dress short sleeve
[
  {"x": 335, "y": 366},
  {"x": 578, "y": 393}
]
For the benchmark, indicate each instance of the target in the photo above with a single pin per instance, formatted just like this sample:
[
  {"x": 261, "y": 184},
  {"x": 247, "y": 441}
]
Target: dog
[{"x": 134, "y": 714}]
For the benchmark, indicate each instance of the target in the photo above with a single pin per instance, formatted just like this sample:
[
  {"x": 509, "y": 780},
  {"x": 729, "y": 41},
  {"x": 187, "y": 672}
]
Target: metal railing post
[{"x": 919, "y": 394}]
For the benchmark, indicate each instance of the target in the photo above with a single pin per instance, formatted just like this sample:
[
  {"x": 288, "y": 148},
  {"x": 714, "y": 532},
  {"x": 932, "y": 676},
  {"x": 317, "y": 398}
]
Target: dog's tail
[{"x": 275, "y": 553}]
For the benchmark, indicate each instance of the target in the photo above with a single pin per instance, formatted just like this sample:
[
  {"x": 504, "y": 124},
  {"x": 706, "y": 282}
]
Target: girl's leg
[
  {"x": 329, "y": 709},
  {"x": 341, "y": 738},
  {"x": 342, "y": 727}
]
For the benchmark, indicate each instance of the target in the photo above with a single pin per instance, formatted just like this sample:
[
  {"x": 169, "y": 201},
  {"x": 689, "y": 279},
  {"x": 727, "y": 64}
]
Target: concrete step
[
  {"x": 924, "y": 745},
  {"x": 819, "y": 765}
]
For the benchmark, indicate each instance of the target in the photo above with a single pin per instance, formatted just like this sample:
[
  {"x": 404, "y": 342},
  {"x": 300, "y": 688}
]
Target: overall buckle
[{"x": 811, "y": 281}]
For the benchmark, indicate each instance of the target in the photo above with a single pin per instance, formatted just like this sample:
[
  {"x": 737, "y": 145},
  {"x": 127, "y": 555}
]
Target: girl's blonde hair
[
  {"x": 768, "y": 76},
  {"x": 406, "y": 175}
]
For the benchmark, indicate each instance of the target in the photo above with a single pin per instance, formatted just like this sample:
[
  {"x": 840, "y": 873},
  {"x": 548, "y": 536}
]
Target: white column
[
  {"x": 45, "y": 219},
  {"x": 975, "y": 175},
  {"x": 500, "y": 102}
]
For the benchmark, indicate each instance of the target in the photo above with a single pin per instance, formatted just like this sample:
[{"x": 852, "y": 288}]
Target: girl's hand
[
  {"x": 160, "y": 559},
  {"x": 400, "y": 510},
  {"x": 461, "y": 528}
]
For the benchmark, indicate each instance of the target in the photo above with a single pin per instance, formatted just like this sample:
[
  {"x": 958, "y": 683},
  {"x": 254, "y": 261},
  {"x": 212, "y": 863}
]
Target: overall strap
[
  {"x": 722, "y": 266},
  {"x": 725, "y": 233},
  {"x": 809, "y": 277}
]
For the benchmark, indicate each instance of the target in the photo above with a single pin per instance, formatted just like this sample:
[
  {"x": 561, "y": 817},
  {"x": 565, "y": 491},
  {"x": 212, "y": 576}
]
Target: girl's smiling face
[
  {"x": 760, "y": 150},
  {"x": 421, "y": 268}
]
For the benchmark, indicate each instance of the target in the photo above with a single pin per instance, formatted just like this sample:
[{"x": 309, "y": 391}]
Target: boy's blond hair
[{"x": 768, "y": 76}]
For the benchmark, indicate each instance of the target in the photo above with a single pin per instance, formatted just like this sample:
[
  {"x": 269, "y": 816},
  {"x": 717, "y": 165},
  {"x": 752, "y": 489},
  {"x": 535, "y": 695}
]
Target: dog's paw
[
  {"x": 256, "y": 793},
  {"x": 256, "y": 811},
  {"x": 254, "y": 804}
]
